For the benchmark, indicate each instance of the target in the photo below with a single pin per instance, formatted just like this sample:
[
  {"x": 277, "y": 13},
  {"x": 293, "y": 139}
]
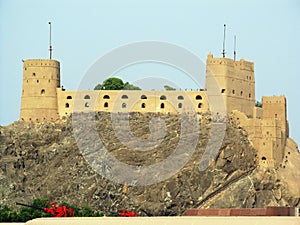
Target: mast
[
  {"x": 223, "y": 53},
  {"x": 50, "y": 45}
]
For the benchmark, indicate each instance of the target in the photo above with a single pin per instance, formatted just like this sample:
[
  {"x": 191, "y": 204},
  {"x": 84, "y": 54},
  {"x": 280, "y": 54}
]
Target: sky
[{"x": 268, "y": 33}]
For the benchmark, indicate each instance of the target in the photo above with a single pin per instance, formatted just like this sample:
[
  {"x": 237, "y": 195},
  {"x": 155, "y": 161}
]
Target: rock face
[{"x": 44, "y": 161}]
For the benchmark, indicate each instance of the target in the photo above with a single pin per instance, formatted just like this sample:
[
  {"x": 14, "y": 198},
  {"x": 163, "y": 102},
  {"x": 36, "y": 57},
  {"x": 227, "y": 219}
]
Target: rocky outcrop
[{"x": 44, "y": 161}]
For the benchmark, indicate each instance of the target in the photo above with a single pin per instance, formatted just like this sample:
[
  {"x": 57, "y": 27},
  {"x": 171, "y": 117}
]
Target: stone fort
[{"x": 44, "y": 100}]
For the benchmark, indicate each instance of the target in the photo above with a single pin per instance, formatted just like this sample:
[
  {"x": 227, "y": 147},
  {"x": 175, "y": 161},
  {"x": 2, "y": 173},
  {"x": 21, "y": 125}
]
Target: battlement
[
  {"x": 41, "y": 63},
  {"x": 273, "y": 99}
]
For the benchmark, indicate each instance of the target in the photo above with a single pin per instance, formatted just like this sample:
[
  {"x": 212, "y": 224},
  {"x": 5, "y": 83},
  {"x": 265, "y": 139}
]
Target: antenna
[
  {"x": 234, "y": 52},
  {"x": 224, "y": 41},
  {"x": 50, "y": 46}
]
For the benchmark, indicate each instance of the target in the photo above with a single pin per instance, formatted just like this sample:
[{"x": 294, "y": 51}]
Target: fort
[{"x": 44, "y": 100}]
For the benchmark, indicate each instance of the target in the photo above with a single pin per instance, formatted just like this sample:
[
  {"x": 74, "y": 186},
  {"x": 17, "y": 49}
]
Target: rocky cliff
[{"x": 44, "y": 161}]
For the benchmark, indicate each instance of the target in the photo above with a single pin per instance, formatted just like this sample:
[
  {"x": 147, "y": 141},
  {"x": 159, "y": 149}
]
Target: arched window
[
  {"x": 200, "y": 105},
  {"x": 69, "y": 97},
  {"x": 180, "y": 97},
  {"x": 105, "y": 105},
  {"x": 124, "y": 97},
  {"x": 67, "y": 105},
  {"x": 143, "y": 105},
  {"x": 106, "y": 97},
  {"x": 123, "y": 105},
  {"x": 263, "y": 158},
  {"x": 87, "y": 97},
  {"x": 163, "y": 97},
  {"x": 86, "y": 105},
  {"x": 180, "y": 105},
  {"x": 143, "y": 97},
  {"x": 241, "y": 93},
  {"x": 198, "y": 97},
  {"x": 162, "y": 105},
  {"x": 42, "y": 91},
  {"x": 33, "y": 74}
]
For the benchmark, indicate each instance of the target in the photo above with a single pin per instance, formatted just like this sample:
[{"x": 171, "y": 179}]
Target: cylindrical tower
[{"x": 41, "y": 78}]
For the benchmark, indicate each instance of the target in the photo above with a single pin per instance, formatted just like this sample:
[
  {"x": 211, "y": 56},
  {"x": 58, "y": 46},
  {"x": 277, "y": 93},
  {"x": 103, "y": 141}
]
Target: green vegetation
[
  {"x": 258, "y": 104},
  {"x": 114, "y": 83},
  {"x": 169, "y": 88},
  {"x": 23, "y": 214}
]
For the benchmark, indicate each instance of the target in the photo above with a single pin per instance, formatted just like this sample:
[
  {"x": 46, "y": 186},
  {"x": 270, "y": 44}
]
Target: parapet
[
  {"x": 241, "y": 64},
  {"x": 41, "y": 63}
]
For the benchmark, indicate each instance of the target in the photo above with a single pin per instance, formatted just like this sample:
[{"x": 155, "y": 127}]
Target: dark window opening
[
  {"x": 67, "y": 105},
  {"x": 143, "y": 105},
  {"x": 86, "y": 105},
  {"x": 37, "y": 81},
  {"x": 180, "y": 105},
  {"x": 241, "y": 93},
  {"x": 69, "y": 97},
  {"x": 233, "y": 91},
  {"x": 105, "y": 105},
  {"x": 275, "y": 115},
  {"x": 42, "y": 91},
  {"x": 200, "y": 105},
  {"x": 124, "y": 97},
  {"x": 180, "y": 97},
  {"x": 249, "y": 95},
  {"x": 263, "y": 158},
  {"x": 87, "y": 97},
  {"x": 106, "y": 97},
  {"x": 162, "y": 105},
  {"x": 198, "y": 97},
  {"x": 223, "y": 91},
  {"x": 33, "y": 74},
  {"x": 163, "y": 97},
  {"x": 124, "y": 105},
  {"x": 143, "y": 97}
]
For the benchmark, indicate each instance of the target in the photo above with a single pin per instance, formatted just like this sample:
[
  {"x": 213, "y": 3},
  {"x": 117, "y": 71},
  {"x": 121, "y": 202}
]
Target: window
[
  {"x": 86, "y": 105},
  {"x": 143, "y": 105},
  {"x": 87, "y": 97},
  {"x": 198, "y": 97},
  {"x": 42, "y": 91},
  {"x": 69, "y": 97},
  {"x": 33, "y": 74},
  {"x": 124, "y": 105},
  {"x": 180, "y": 105},
  {"x": 163, "y": 97},
  {"x": 233, "y": 91},
  {"x": 37, "y": 81},
  {"x": 241, "y": 93},
  {"x": 162, "y": 105},
  {"x": 180, "y": 97},
  {"x": 67, "y": 105},
  {"x": 275, "y": 115},
  {"x": 223, "y": 91},
  {"x": 106, "y": 97},
  {"x": 263, "y": 158},
  {"x": 249, "y": 95},
  {"x": 105, "y": 105},
  {"x": 124, "y": 97},
  {"x": 200, "y": 105},
  {"x": 143, "y": 97}
]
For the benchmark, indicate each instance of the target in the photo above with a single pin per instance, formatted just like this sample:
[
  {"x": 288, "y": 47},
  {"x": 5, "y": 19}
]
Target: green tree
[
  {"x": 129, "y": 86},
  {"x": 114, "y": 83},
  {"x": 258, "y": 104},
  {"x": 169, "y": 88}
]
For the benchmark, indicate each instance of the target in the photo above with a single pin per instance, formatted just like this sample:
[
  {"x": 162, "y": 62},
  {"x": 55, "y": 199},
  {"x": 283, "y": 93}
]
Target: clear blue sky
[{"x": 268, "y": 33}]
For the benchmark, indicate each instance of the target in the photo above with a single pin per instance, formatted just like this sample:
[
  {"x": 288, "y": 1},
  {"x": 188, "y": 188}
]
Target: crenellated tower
[
  {"x": 236, "y": 82},
  {"x": 41, "y": 78}
]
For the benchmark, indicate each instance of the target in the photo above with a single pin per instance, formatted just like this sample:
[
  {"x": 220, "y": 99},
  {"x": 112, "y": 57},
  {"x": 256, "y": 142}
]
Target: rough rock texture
[{"x": 44, "y": 161}]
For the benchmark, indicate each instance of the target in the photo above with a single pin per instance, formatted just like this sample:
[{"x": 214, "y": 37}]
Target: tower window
[
  {"x": 143, "y": 97},
  {"x": 37, "y": 81},
  {"x": 180, "y": 97},
  {"x": 162, "y": 105},
  {"x": 87, "y": 97},
  {"x": 106, "y": 97},
  {"x": 105, "y": 105},
  {"x": 124, "y": 97},
  {"x": 275, "y": 115},
  {"x": 198, "y": 97},
  {"x": 263, "y": 158},
  {"x": 69, "y": 97},
  {"x": 67, "y": 105},
  {"x": 241, "y": 93},
  {"x": 86, "y": 105},
  {"x": 249, "y": 95},
  {"x": 180, "y": 105},
  {"x": 143, "y": 105},
  {"x": 33, "y": 74},
  {"x": 233, "y": 91},
  {"x": 223, "y": 91},
  {"x": 42, "y": 91},
  {"x": 200, "y": 105},
  {"x": 163, "y": 97},
  {"x": 124, "y": 105}
]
